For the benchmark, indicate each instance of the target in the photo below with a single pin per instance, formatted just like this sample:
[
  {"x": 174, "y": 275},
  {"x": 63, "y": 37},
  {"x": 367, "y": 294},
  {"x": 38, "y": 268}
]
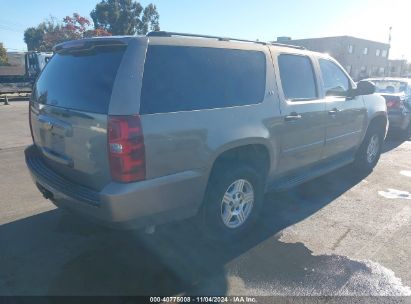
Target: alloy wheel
[
  {"x": 373, "y": 148},
  {"x": 237, "y": 203}
]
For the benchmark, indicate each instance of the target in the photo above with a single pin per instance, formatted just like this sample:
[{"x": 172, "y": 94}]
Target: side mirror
[{"x": 364, "y": 87}]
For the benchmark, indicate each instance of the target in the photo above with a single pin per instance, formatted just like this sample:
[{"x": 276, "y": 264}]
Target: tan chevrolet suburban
[{"x": 137, "y": 131}]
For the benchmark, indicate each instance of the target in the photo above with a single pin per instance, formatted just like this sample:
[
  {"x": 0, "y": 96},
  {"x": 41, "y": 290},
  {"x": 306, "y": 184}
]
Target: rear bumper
[{"x": 118, "y": 205}]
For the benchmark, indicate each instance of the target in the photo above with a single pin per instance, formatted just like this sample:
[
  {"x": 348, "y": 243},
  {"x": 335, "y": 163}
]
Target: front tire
[
  {"x": 405, "y": 134},
  {"x": 370, "y": 150},
  {"x": 232, "y": 202}
]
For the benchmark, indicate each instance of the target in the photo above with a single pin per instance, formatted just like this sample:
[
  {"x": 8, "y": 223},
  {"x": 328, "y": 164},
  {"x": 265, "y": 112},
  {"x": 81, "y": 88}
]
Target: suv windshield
[
  {"x": 80, "y": 80},
  {"x": 390, "y": 86}
]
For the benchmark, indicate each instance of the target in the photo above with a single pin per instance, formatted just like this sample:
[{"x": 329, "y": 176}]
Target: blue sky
[{"x": 255, "y": 19}]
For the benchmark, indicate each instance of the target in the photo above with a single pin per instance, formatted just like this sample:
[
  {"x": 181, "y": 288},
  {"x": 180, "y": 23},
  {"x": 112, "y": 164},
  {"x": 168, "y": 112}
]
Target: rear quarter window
[
  {"x": 81, "y": 80},
  {"x": 192, "y": 78},
  {"x": 297, "y": 77}
]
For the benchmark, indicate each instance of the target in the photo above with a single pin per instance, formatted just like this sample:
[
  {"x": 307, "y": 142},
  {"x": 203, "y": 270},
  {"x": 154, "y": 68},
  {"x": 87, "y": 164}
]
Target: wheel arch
[
  {"x": 379, "y": 120},
  {"x": 254, "y": 153}
]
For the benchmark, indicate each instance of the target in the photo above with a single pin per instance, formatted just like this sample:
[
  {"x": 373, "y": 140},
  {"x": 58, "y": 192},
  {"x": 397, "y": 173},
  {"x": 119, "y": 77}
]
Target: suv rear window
[
  {"x": 80, "y": 80},
  {"x": 191, "y": 78}
]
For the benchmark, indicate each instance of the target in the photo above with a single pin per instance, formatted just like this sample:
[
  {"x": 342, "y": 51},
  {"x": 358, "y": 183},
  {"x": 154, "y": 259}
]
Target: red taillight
[
  {"x": 393, "y": 103},
  {"x": 126, "y": 149}
]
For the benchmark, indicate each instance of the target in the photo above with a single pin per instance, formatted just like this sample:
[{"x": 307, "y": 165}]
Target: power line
[
  {"x": 9, "y": 26},
  {"x": 11, "y": 23},
  {"x": 6, "y": 28}
]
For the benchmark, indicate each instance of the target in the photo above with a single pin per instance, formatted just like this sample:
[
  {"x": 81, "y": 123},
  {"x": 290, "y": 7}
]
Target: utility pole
[{"x": 388, "y": 52}]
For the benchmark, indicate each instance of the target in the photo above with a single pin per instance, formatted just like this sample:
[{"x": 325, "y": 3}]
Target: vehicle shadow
[
  {"x": 57, "y": 253},
  {"x": 392, "y": 141}
]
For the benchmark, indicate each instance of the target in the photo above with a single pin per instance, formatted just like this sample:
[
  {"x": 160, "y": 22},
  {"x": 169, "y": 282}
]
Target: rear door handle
[
  {"x": 334, "y": 111},
  {"x": 293, "y": 117}
]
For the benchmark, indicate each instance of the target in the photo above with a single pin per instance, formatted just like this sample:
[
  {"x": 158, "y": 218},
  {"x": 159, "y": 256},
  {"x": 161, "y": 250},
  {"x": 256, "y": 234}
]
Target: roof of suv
[
  {"x": 163, "y": 36},
  {"x": 174, "y": 34}
]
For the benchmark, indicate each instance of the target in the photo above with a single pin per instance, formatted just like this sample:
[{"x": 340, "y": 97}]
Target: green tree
[
  {"x": 3, "y": 55},
  {"x": 33, "y": 37},
  {"x": 150, "y": 19},
  {"x": 123, "y": 17},
  {"x": 42, "y": 37},
  {"x": 49, "y": 33}
]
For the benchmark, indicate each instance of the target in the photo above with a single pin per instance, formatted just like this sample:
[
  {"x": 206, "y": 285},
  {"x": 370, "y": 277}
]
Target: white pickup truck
[{"x": 21, "y": 72}]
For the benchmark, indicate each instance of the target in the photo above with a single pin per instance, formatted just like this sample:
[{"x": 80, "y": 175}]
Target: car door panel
[
  {"x": 345, "y": 122},
  {"x": 302, "y": 140},
  {"x": 345, "y": 115},
  {"x": 303, "y": 119}
]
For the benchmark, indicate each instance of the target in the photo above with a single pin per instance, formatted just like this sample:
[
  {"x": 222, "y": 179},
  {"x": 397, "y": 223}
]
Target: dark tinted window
[
  {"x": 80, "y": 80},
  {"x": 192, "y": 78},
  {"x": 334, "y": 79},
  {"x": 297, "y": 77}
]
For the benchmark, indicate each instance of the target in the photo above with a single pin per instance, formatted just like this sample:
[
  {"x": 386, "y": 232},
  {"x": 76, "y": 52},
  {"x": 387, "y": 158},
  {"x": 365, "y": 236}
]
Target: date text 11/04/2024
[{"x": 232, "y": 299}]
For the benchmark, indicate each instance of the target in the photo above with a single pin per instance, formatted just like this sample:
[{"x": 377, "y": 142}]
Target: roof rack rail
[
  {"x": 288, "y": 45},
  {"x": 169, "y": 34}
]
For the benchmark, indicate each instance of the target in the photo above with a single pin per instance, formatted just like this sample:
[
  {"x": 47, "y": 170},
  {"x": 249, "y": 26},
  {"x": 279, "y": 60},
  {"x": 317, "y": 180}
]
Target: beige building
[
  {"x": 397, "y": 68},
  {"x": 360, "y": 57}
]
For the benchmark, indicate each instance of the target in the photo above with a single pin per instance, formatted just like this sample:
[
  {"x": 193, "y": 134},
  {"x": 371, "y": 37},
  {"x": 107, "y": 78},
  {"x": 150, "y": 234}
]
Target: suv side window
[
  {"x": 180, "y": 78},
  {"x": 334, "y": 79},
  {"x": 297, "y": 77}
]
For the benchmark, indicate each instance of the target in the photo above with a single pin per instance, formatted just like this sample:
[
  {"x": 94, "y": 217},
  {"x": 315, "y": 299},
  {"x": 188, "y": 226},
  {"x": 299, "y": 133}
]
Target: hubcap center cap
[{"x": 238, "y": 198}]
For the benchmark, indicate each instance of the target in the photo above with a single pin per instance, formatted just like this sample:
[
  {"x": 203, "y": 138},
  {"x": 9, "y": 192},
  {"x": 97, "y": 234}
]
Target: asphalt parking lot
[{"x": 341, "y": 234}]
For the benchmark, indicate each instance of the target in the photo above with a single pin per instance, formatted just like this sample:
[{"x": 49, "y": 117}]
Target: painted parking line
[
  {"x": 395, "y": 194},
  {"x": 405, "y": 173}
]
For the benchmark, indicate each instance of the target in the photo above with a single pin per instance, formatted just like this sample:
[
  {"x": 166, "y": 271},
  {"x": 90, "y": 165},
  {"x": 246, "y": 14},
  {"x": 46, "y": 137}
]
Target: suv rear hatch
[{"x": 69, "y": 109}]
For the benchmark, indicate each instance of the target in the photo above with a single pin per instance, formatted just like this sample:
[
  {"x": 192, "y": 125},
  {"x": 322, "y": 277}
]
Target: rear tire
[
  {"x": 370, "y": 150},
  {"x": 232, "y": 202},
  {"x": 405, "y": 134}
]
